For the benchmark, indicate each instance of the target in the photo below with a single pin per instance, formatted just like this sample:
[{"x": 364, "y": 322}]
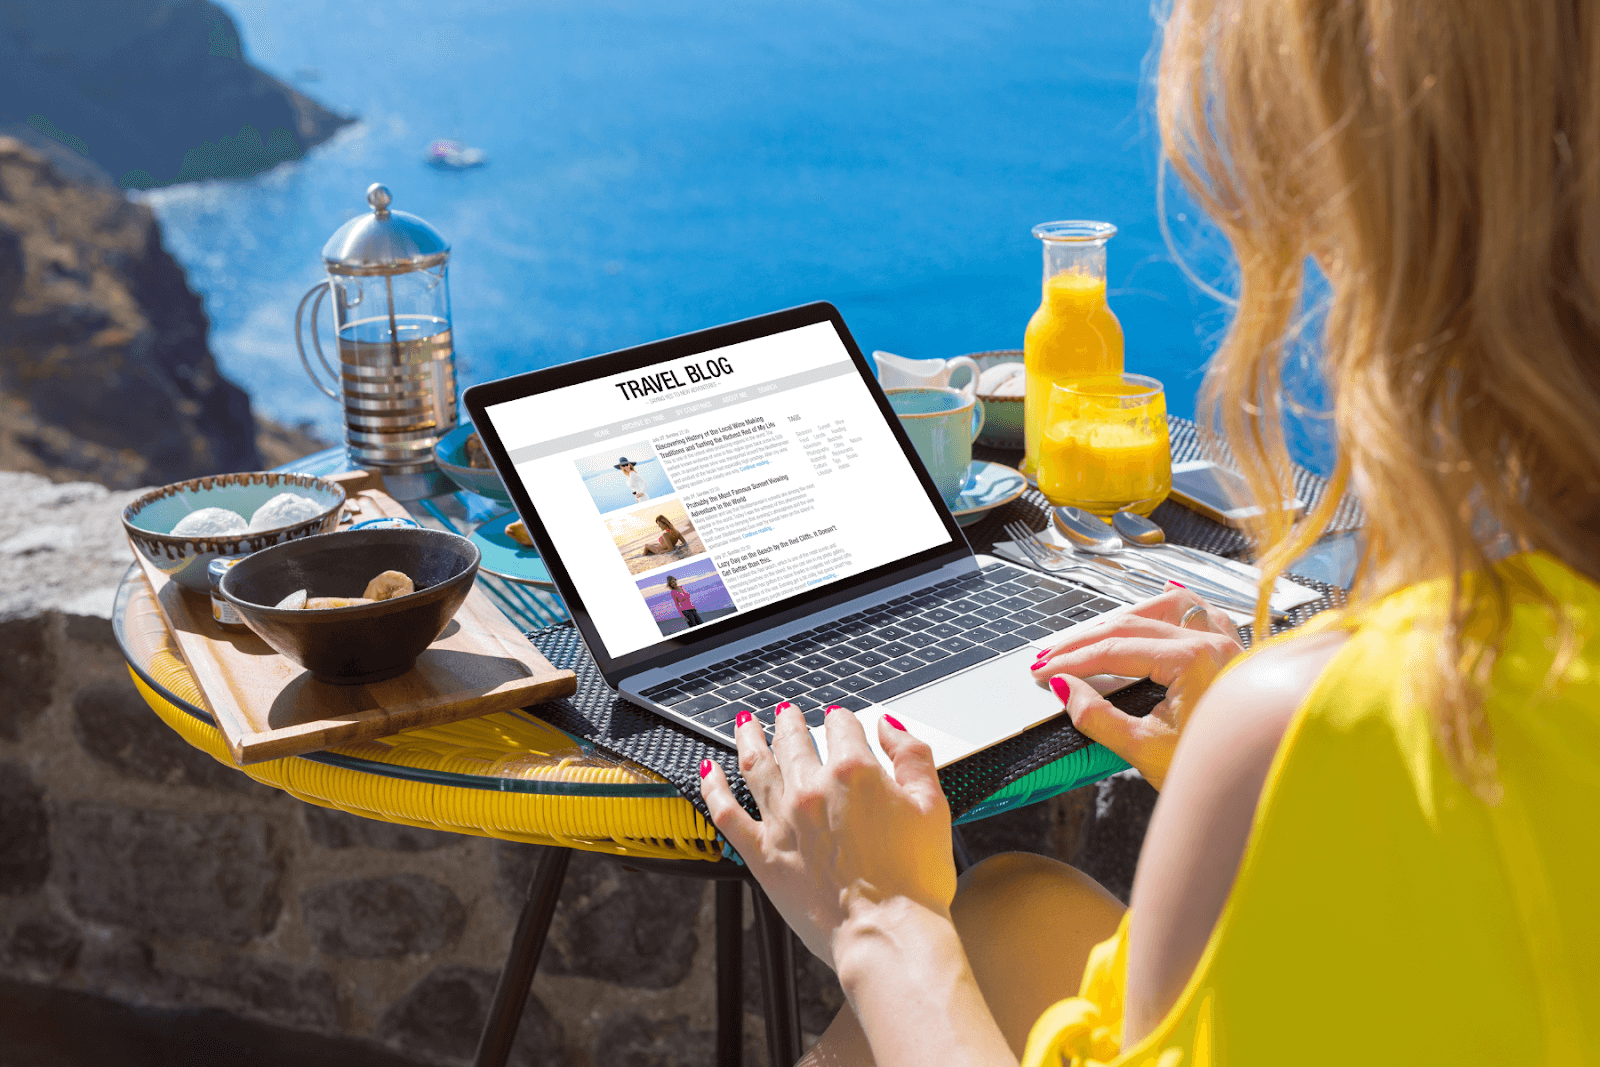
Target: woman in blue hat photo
[{"x": 641, "y": 491}]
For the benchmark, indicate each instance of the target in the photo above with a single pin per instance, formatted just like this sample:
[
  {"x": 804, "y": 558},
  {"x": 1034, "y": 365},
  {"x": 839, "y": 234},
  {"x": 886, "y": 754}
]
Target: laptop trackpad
[{"x": 960, "y": 715}]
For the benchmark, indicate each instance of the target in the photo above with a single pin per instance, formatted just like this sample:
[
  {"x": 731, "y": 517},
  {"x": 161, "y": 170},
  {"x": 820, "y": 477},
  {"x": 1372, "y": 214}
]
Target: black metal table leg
[
  {"x": 730, "y": 968},
  {"x": 778, "y": 987},
  {"x": 511, "y": 992}
]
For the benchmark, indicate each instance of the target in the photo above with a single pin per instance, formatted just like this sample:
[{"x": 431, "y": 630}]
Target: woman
[
  {"x": 635, "y": 480},
  {"x": 670, "y": 539},
  {"x": 1374, "y": 841},
  {"x": 685, "y": 606}
]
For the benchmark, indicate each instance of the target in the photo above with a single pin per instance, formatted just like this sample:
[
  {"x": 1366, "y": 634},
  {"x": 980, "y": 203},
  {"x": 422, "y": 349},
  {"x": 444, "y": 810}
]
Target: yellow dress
[{"x": 1382, "y": 914}]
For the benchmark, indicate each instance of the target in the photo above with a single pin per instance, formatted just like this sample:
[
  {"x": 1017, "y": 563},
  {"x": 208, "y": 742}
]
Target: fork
[
  {"x": 1048, "y": 558},
  {"x": 1035, "y": 547}
]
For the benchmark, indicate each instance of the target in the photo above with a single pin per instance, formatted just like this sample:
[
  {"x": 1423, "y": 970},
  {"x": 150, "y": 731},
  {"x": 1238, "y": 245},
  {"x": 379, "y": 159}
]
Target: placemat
[{"x": 598, "y": 716}]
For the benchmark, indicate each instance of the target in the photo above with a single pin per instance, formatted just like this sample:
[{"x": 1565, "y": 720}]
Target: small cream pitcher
[{"x": 898, "y": 372}]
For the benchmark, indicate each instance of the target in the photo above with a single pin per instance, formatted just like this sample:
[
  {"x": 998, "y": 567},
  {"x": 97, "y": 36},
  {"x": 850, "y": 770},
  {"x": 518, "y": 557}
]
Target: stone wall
[{"x": 138, "y": 868}]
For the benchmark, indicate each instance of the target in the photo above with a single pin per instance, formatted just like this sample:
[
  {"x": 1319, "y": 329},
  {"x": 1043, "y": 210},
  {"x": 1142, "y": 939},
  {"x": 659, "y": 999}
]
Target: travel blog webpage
[{"x": 697, "y": 489}]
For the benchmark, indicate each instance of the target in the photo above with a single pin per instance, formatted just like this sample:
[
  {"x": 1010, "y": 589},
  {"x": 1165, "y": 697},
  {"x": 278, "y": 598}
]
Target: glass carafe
[{"x": 1074, "y": 333}]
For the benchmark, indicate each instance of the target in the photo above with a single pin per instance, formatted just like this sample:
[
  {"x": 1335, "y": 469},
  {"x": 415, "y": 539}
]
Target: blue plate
[
  {"x": 451, "y": 455},
  {"x": 988, "y": 486},
  {"x": 505, "y": 558}
]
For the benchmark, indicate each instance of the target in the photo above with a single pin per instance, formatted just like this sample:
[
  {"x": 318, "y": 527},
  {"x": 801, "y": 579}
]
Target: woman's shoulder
[{"x": 1275, "y": 680}]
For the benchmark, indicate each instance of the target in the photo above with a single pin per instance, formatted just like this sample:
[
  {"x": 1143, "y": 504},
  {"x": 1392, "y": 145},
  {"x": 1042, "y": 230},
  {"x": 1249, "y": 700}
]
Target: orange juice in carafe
[{"x": 1074, "y": 334}]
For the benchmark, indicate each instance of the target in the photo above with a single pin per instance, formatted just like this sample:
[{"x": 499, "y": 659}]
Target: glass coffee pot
[{"x": 396, "y": 375}]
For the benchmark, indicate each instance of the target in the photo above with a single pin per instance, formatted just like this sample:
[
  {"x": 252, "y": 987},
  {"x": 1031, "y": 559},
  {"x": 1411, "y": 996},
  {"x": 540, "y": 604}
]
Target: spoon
[
  {"x": 1085, "y": 530},
  {"x": 1089, "y": 533},
  {"x": 1139, "y": 531}
]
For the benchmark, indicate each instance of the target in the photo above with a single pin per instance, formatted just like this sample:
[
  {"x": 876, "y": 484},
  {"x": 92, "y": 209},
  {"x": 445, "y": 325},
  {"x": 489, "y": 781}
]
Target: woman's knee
[
  {"x": 1009, "y": 873},
  {"x": 1019, "y": 886}
]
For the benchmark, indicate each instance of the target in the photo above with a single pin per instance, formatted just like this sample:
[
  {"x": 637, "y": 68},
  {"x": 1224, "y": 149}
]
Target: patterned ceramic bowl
[
  {"x": 150, "y": 519},
  {"x": 451, "y": 455},
  {"x": 1002, "y": 415}
]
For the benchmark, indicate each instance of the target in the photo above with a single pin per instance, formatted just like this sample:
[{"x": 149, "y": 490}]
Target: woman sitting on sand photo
[{"x": 669, "y": 541}]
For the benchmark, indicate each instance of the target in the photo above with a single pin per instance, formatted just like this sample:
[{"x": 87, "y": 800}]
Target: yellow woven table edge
[{"x": 665, "y": 827}]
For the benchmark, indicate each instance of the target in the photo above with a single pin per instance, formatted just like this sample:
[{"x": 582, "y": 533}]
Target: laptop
[{"x": 735, "y": 518}]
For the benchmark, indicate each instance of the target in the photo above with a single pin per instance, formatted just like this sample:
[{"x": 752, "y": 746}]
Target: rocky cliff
[
  {"x": 104, "y": 369},
  {"x": 151, "y": 91}
]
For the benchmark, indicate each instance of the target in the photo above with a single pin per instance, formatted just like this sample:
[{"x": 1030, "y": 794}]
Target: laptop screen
[{"x": 702, "y": 488}]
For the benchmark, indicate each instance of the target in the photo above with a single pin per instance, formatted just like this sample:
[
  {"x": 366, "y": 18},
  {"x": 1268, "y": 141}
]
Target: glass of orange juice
[{"x": 1105, "y": 445}]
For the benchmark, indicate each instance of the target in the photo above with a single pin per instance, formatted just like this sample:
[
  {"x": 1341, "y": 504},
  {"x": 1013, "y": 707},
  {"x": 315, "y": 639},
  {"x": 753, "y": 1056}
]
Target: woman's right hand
[{"x": 1147, "y": 640}]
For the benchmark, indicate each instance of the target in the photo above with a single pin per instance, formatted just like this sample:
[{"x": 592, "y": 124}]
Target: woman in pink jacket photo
[{"x": 680, "y": 597}]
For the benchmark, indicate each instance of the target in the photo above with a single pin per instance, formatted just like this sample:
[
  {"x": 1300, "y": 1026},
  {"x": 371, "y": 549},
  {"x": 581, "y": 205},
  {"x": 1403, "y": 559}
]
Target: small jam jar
[{"x": 221, "y": 610}]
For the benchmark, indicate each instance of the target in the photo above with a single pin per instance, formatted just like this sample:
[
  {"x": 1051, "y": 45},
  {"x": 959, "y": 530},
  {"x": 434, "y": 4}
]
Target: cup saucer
[{"x": 988, "y": 486}]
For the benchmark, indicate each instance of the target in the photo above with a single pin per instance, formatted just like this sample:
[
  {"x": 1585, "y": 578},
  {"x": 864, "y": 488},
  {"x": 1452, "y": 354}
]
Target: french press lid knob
[{"x": 378, "y": 196}]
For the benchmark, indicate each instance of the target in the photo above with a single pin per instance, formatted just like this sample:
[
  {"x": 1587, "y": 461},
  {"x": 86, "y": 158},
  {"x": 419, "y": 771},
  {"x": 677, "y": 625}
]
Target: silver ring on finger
[{"x": 1195, "y": 609}]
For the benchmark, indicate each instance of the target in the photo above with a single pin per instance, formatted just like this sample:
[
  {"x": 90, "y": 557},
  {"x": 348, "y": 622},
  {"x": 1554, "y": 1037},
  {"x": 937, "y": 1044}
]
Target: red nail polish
[
  {"x": 705, "y": 767},
  {"x": 831, "y": 709},
  {"x": 1180, "y": 585},
  {"x": 892, "y": 721},
  {"x": 782, "y": 707},
  {"x": 1059, "y": 686},
  {"x": 742, "y": 718}
]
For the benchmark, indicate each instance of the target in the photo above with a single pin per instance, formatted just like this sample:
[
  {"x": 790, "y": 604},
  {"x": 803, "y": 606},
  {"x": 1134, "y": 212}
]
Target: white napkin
[
  {"x": 1230, "y": 574},
  {"x": 1227, "y": 573}
]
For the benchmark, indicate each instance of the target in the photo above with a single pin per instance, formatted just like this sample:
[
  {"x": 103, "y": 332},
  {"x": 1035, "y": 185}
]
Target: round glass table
[{"x": 509, "y": 775}]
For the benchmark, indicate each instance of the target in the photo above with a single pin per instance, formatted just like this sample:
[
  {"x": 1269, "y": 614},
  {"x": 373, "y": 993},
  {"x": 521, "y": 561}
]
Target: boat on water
[{"x": 453, "y": 155}]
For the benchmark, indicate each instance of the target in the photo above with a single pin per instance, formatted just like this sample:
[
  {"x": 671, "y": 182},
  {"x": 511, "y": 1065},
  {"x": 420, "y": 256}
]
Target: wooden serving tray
[{"x": 268, "y": 708}]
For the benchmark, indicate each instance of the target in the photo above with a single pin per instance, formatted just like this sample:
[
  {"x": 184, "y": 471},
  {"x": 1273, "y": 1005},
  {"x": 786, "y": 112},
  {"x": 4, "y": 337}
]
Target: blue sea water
[{"x": 658, "y": 166}]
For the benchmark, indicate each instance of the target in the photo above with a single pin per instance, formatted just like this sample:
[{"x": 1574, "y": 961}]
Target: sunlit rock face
[
  {"x": 104, "y": 368},
  {"x": 152, "y": 91}
]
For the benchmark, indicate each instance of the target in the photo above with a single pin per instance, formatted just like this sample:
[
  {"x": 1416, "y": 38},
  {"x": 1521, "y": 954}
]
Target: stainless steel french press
[{"x": 396, "y": 375}]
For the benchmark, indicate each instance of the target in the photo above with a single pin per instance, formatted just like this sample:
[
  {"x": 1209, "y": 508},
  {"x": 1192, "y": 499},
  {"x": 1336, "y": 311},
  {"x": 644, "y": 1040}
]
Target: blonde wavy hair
[{"x": 1440, "y": 162}]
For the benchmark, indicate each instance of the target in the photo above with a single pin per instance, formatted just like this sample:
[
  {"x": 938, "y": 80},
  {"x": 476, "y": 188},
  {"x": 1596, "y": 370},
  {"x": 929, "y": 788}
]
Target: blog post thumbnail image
[
  {"x": 687, "y": 596},
  {"x": 655, "y": 534},
  {"x": 623, "y": 476}
]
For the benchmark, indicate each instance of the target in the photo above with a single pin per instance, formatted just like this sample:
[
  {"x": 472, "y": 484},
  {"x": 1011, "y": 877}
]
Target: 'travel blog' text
[{"x": 668, "y": 379}]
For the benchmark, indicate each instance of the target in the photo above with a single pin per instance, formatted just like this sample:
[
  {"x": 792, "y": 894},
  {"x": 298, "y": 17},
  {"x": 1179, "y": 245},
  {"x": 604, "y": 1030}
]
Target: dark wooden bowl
[{"x": 369, "y": 642}]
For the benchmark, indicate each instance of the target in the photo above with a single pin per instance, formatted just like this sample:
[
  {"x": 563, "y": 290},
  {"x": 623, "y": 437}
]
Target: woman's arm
[
  {"x": 1201, "y": 824},
  {"x": 906, "y": 976},
  {"x": 859, "y": 864}
]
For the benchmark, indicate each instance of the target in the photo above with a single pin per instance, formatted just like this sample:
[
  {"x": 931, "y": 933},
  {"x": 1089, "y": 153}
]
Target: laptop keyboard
[{"x": 894, "y": 648}]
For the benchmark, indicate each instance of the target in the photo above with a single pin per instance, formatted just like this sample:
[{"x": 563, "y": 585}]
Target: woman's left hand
[
  {"x": 1150, "y": 640},
  {"x": 836, "y": 839}
]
